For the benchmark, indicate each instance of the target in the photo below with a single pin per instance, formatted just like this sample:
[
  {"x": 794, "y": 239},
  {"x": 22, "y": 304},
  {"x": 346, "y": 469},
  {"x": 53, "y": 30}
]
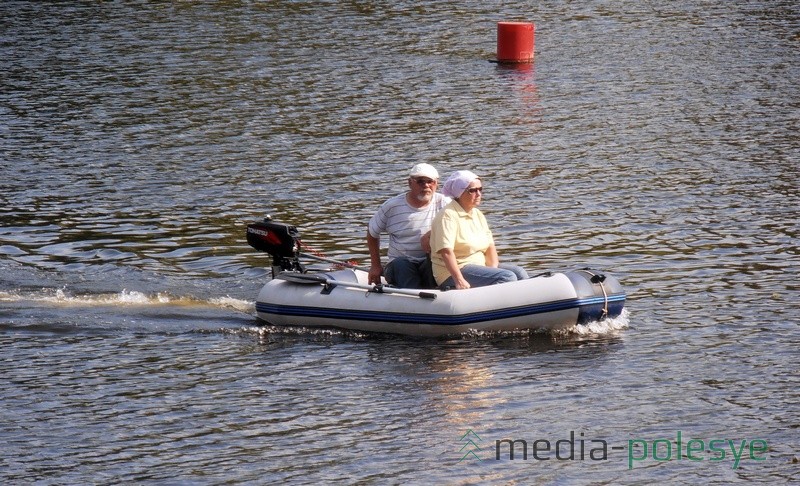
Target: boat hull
[{"x": 549, "y": 301}]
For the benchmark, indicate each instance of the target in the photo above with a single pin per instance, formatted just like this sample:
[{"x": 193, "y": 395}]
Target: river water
[{"x": 659, "y": 141}]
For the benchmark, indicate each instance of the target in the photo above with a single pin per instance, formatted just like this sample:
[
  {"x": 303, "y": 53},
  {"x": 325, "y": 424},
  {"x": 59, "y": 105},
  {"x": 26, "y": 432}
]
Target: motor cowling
[{"x": 280, "y": 240}]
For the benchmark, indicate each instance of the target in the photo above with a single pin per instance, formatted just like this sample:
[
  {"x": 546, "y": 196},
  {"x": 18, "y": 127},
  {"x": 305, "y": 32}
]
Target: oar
[
  {"x": 331, "y": 260},
  {"x": 380, "y": 289}
]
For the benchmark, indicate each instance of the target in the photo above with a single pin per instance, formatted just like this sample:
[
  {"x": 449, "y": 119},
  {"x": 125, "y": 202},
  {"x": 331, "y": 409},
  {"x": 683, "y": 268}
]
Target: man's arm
[{"x": 375, "y": 267}]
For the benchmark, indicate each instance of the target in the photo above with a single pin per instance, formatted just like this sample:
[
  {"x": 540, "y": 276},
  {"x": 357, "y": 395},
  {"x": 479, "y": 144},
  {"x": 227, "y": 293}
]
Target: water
[{"x": 658, "y": 142}]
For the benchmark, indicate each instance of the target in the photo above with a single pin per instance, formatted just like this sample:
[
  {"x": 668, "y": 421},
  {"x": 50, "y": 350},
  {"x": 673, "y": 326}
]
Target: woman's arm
[
  {"x": 451, "y": 264},
  {"x": 492, "y": 260}
]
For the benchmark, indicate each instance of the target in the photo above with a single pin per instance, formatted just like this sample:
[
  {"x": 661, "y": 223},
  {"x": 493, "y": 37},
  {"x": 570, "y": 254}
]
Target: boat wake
[
  {"x": 125, "y": 298},
  {"x": 599, "y": 328},
  {"x": 163, "y": 305},
  {"x": 606, "y": 327}
]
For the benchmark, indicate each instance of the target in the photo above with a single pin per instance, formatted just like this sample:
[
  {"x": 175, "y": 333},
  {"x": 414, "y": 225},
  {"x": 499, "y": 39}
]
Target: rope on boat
[
  {"x": 599, "y": 279},
  {"x": 318, "y": 255}
]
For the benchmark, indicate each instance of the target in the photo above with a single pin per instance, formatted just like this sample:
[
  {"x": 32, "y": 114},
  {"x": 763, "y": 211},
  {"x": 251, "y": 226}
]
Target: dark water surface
[{"x": 658, "y": 141}]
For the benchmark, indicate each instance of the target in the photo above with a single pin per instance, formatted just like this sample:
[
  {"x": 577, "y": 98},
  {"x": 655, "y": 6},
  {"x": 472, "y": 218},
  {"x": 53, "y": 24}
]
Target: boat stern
[{"x": 600, "y": 295}]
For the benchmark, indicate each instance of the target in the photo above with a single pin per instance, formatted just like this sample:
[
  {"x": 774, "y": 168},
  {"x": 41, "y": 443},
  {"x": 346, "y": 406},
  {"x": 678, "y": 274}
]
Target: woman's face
[{"x": 472, "y": 195}]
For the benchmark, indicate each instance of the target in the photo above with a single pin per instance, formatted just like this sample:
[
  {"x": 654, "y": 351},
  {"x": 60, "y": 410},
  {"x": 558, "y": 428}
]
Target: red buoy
[{"x": 515, "y": 41}]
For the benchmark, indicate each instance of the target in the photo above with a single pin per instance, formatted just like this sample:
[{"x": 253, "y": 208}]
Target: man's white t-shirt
[{"x": 405, "y": 224}]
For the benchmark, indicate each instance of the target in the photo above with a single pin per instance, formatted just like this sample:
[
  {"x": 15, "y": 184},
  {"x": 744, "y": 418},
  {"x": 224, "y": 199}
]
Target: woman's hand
[{"x": 451, "y": 264}]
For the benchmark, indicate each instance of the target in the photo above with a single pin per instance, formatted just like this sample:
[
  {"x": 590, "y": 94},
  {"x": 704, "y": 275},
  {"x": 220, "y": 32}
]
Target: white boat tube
[{"x": 344, "y": 299}]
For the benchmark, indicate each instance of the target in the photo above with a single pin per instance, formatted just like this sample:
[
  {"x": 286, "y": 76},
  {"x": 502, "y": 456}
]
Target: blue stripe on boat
[{"x": 454, "y": 320}]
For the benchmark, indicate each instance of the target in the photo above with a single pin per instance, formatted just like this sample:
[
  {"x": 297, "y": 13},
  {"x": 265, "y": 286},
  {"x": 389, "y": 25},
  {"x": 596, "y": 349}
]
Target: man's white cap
[{"x": 424, "y": 170}]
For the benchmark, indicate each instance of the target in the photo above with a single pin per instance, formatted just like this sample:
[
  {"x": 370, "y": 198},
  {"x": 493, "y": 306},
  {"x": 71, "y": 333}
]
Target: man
[{"x": 407, "y": 219}]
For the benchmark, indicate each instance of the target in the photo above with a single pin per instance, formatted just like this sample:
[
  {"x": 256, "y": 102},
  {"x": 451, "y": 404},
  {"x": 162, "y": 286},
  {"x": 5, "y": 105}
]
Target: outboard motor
[{"x": 282, "y": 241}]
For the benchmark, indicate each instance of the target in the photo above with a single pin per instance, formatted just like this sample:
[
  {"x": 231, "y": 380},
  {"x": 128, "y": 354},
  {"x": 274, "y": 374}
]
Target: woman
[{"x": 462, "y": 247}]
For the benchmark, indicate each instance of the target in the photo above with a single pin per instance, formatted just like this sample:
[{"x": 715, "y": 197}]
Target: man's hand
[{"x": 375, "y": 273}]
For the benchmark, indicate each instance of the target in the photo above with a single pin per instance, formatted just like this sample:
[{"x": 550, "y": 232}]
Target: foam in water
[
  {"x": 606, "y": 326},
  {"x": 230, "y": 302},
  {"x": 125, "y": 297}
]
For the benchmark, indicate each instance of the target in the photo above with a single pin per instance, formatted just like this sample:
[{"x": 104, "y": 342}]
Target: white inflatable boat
[{"x": 344, "y": 298}]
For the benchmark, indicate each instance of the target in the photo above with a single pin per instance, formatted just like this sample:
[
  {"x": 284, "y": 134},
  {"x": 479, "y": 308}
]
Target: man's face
[{"x": 422, "y": 188}]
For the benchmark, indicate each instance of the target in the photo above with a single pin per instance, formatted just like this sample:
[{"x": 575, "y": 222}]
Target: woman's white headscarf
[{"x": 457, "y": 182}]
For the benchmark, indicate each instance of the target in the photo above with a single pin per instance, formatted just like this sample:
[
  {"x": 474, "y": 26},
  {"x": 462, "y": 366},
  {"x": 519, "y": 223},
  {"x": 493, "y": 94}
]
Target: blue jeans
[
  {"x": 520, "y": 272},
  {"x": 410, "y": 273},
  {"x": 480, "y": 276}
]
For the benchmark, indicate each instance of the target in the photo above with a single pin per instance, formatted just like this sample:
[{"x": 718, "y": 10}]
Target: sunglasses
[
  {"x": 422, "y": 181},
  {"x": 473, "y": 190}
]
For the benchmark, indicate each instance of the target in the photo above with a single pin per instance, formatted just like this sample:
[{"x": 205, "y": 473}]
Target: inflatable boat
[{"x": 344, "y": 299}]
